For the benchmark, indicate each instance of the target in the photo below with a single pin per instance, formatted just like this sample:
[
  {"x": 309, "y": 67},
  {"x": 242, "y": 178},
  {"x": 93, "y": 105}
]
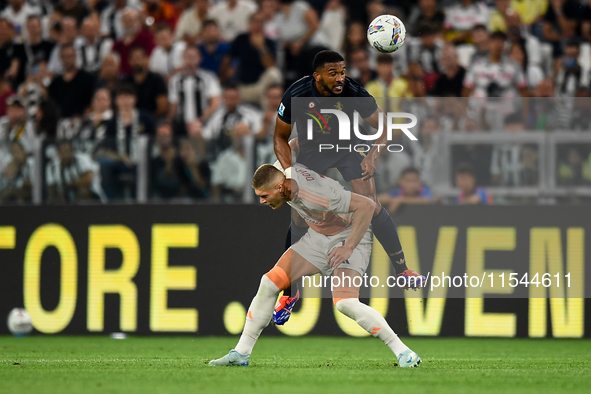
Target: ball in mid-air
[
  {"x": 19, "y": 322},
  {"x": 386, "y": 33}
]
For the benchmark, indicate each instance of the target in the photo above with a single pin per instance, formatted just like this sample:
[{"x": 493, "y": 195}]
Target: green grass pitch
[{"x": 292, "y": 365}]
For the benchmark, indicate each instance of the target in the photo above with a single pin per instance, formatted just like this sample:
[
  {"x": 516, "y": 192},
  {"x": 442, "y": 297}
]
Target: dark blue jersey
[{"x": 302, "y": 102}]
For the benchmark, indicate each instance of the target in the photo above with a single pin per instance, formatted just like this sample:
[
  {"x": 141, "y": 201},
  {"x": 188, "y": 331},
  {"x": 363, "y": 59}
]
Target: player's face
[
  {"x": 332, "y": 77},
  {"x": 271, "y": 196}
]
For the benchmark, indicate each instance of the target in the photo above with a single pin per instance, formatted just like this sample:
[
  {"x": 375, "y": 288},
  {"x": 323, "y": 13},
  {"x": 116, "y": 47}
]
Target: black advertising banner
[{"x": 193, "y": 269}]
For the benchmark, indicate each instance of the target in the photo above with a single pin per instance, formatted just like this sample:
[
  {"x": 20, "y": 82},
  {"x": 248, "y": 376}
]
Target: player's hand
[
  {"x": 368, "y": 166},
  {"x": 339, "y": 255},
  {"x": 286, "y": 189}
]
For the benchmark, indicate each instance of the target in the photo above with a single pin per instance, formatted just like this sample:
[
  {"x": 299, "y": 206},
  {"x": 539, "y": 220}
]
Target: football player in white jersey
[{"x": 338, "y": 242}]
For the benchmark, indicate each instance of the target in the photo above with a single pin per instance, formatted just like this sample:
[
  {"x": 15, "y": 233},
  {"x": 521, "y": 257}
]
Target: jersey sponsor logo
[{"x": 281, "y": 109}]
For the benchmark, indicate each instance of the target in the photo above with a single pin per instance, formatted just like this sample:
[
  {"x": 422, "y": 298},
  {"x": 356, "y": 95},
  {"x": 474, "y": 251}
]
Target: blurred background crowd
[{"x": 139, "y": 100}]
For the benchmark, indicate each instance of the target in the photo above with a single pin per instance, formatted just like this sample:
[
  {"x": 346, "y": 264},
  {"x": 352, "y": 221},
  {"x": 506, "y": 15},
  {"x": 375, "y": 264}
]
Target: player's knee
[
  {"x": 278, "y": 277},
  {"x": 378, "y": 207}
]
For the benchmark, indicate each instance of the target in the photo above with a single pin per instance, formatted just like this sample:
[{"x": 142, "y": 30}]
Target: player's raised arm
[
  {"x": 282, "y": 149},
  {"x": 363, "y": 208}
]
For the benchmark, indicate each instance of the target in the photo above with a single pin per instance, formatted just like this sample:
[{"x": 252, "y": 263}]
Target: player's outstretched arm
[
  {"x": 363, "y": 208},
  {"x": 282, "y": 149}
]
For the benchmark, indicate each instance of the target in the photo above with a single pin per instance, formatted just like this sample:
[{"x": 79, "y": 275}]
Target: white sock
[
  {"x": 371, "y": 321},
  {"x": 258, "y": 316}
]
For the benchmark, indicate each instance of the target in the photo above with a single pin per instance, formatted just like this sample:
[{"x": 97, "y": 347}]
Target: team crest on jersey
[{"x": 375, "y": 29}]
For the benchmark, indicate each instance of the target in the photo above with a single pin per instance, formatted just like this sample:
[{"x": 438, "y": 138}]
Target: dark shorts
[{"x": 349, "y": 164}]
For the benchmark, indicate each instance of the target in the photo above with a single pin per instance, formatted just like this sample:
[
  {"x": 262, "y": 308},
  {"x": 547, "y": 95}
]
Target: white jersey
[{"x": 321, "y": 201}]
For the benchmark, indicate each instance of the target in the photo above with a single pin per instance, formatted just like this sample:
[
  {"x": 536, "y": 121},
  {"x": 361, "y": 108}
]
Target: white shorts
[{"x": 315, "y": 247}]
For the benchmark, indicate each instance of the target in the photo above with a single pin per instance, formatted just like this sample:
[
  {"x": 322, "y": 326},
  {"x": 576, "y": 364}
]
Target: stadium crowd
[{"x": 202, "y": 79}]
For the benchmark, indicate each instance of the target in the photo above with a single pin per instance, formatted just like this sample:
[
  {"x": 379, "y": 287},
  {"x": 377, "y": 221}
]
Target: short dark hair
[
  {"x": 137, "y": 48},
  {"x": 480, "y": 26},
  {"x": 426, "y": 29},
  {"x": 263, "y": 175},
  {"x": 324, "y": 57},
  {"x": 572, "y": 43},
  {"x": 465, "y": 168},
  {"x": 161, "y": 27},
  {"x": 125, "y": 88},
  {"x": 498, "y": 35},
  {"x": 67, "y": 46},
  {"x": 208, "y": 22},
  {"x": 410, "y": 170},
  {"x": 384, "y": 58}
]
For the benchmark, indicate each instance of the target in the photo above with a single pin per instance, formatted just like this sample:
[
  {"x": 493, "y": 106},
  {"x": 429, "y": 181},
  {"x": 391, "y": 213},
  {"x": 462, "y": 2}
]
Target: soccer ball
[
  {"x": 19, "y": 322},
  {"x": 386, "y": 33}
]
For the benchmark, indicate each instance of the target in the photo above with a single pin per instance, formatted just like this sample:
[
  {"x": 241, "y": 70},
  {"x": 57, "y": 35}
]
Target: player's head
[
  {"x": 267, "y": 183},
  {"x": 329, "y": 72}
]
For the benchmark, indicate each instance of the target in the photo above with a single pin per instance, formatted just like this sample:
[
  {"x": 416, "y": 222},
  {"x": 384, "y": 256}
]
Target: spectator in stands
[
  {"x": 460, "y": 19},
  {"x": 16, "y": 176},
  {"x": 495, "y": 76},
  {"x": 569, "y": 76},
  {"x": 255, "y": 55},
  {"x": 74, "y": 9},
  {"x": 332, "y": 24},
  {"x": 426, "y": 51},
  {"x": 481, "y": 40},
  {"x": 118, "y": 153},
  {"x": 9, "y": 54},
  {"x": 426, "y": 12},
  {"x": 518, "y": 33},
  {"x": 67, "y": 37},
  {"x": 268, "y": 9},
  {"x": 160, "y": 11},
  {"x": 72, "y": 90},
  {"x": 92, "y": 47},
  {"x": 166, "y": 169},
  {"x": 506, "y": 168},
  {"x": 232, "y": 17},
  {"x": 191, "y": 21},
  {"x": 360, "y": 69},
  {"x": 193, "y": 93},
  {"x": 16, "y": 125},
  {"x": 533, "y": 73},
  {"x": 46, "y": 119},
  {"x": 586, "y": 22},
  {"x": 37, "y": 50},
  {"x": 530, "y": 11},
  {"x": 451, "y": 80},
  {"x": 111, "y": 16},
  {"x": 167, "y": 57},
  {"x": 530, "y": 166},
  {"x": 264, "y": 136},
  {"x": 424, "y": 153},
  {"x": 231, "y": 121},
  {"x": 386, "y": 88},
  {"x": 133, "y": 35},
  {"x": 356, "y": 38},
  {"x": 497, "y": 21},
  {"x": 301, "y": 37},
  {"x": 560, "y": 23},
  {"x": 108, "y": 76},
  {"x": 72, "y": 176},
  {"x": 93, "y": 128},
  {"x": 149, "y": 87},
  {"x": 196, "y": 183},
  {"x": 409, "y": 191},
  {"x": 574, "y": 169},
  {"x": 212, "y": 48},
  {"x": 469, "y": 192},
  {"x": 17, "y": 12},
  {"x": 5, "y": 92}
]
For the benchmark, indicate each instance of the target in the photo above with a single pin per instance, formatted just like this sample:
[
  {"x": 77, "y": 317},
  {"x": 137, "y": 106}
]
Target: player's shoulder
[
  {"x": 301, "y": 88},
  {"x": 354, "y": 88}
]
